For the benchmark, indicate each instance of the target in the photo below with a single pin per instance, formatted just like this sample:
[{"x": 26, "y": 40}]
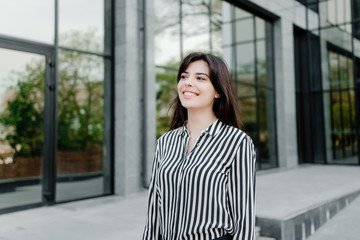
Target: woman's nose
[{"x": 189, "y": 81}]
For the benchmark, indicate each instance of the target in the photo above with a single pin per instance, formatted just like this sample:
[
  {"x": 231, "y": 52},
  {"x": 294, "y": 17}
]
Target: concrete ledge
[{"x": 305, "y": 223}]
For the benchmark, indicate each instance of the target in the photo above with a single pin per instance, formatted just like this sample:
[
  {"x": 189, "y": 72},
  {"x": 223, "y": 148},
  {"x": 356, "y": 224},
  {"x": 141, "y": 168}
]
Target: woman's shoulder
[
  {"x": 239, "y": 134},
  {"x": 171, "y": 133}
]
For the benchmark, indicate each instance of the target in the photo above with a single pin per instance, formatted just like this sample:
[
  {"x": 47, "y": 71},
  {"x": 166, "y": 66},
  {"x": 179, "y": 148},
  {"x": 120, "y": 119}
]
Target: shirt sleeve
[
  {"x": 241, "y": 191},
  {"x": 152, "y": 227}
]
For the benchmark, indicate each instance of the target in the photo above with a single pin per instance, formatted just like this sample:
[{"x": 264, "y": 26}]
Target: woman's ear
[{"x": 217, "y": 95}]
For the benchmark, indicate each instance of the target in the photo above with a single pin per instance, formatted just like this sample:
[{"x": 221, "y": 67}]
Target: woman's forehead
[{"x": 199, "y": 66}]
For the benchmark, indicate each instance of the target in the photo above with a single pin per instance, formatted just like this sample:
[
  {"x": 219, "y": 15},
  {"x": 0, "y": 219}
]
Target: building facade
[{"x": 86, "y": 86}]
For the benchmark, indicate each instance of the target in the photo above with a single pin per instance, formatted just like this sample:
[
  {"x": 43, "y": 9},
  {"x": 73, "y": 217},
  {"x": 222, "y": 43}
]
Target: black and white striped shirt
[{"x": 205, "y": 194}]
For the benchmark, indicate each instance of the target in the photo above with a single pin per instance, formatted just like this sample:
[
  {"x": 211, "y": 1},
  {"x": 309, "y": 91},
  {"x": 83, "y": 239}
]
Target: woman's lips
[{"x": 190, "y": 93}]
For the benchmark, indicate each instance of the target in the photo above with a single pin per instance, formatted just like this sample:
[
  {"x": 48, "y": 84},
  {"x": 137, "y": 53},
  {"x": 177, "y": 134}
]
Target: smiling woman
[
  {"x": 195, "y": 89},
  {"x": 203, "y": 179}
]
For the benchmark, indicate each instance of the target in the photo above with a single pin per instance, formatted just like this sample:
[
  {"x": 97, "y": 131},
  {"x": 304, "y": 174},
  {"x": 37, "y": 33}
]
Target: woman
[{"x": 203, "y": 178}]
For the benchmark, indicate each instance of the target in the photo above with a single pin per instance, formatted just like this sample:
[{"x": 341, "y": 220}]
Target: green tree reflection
[
  {"x": 23, "y": 118},
  {"x": 80, "y": 101}
]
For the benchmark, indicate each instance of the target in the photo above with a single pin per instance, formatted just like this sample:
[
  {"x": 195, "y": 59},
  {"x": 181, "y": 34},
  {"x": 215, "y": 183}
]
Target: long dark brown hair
[{"x": 225, "y": 107}]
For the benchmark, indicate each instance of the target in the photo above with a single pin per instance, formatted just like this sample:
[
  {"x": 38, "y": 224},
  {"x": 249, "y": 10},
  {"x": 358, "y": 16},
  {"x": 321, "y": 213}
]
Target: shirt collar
[{"x": 212, "y": 130}]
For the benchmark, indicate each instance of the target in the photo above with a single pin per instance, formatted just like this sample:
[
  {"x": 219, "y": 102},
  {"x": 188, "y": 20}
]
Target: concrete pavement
[
  {"x": 280, "y": 194},
  {"x": 106, "y": 218}
]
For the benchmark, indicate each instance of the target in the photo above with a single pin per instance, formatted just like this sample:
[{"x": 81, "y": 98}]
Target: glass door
[{"x": 26, "y": 80}]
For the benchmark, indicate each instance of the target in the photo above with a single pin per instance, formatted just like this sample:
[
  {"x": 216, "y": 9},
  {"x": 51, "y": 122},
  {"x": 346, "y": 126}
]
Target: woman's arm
[
  {"x": 241, "y": 191},
  {"x": 152, "y": 228}
]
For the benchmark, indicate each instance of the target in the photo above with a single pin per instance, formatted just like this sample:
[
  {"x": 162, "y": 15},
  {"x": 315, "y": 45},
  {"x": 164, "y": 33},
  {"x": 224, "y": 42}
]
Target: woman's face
[{"x": 195, "y": 89}]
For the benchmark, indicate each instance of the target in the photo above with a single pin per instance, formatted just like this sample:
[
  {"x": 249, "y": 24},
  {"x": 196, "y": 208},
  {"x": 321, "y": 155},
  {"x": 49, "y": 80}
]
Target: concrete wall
[{"x": 134, "y": 94}]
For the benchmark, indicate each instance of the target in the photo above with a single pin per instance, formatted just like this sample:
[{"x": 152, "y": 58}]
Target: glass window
[
  {"x": 84, "y": 139},
  {"x": 351, "y": 73},
  {"x": 89, "y": 24},
  {"x": 239, "y": 13},
  {"x": 334, "y": 71},
  {"x": 347, "y": 10},
  {"x": 245, "y": 90},
  {"x": 248, "y": 114},
  {"x": 331, "y": 11},
  {"x": 260, "y": 28},
  {"x": 344, "y": 72},
  {"x": 227, "y": 25},
  {"x": 166, "y": 91},
  {"x": 244, "y": 29},
  {"x": 267, "y": 146},
  {"x": 80, "y": 126},
  {"x": 339, "y": 13},
  {"x": 261, "y": 62},
  {"x": 22, "y": 78},
  {"x": 33, "y": 20},
  {"x": 245, "y": 62},
  {"x": 196, "y": 26},
  {"x": 216, "y": 27},
  {"x": 167, "y": 32},
  {"x": 342, "y": 111}
]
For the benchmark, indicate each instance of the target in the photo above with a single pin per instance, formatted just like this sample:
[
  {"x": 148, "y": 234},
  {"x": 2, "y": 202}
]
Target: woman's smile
[{"x": 189, "y": 94}]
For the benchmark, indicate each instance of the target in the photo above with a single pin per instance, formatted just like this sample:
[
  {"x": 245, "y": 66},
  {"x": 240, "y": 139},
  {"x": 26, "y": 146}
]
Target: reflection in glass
[
  {"x": 342, "y": 111},
  {"x": 91, "y": 24},
  {"x": 167, "y": 32},
  {"x": 21, "y": 127},
  {"x": 331, "y": 11},
  {"x": 351, "y": 73},
  {"x": 245, "y": 62},
  {"x": 344, "y": 73},
  {"x": 261, "y": 62},
  {"x": 245, "y": 29},
  {"x": 334, "y": 71},
  {"x": 339, "y": 13},
  {"x": 227, "y": 24},
  {"x": 216, "y": 27},
  {"x": 260, "y": 28},
  {"x": 245, "y": 90},
  {"x": 239, "y": 13},
  {"x": 166, "y": 91},
  {"x": 80, "y": 126},
  {"x": 267, "y": 129},
  {"x": 196, "y": 27},
  {"x": 248, "y": 116},
  {"x": 33, "y": 20}
]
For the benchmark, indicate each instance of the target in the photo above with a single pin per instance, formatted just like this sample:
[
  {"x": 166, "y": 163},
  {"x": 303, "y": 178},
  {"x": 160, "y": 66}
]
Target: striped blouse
[{"x": 206, "y": 193}]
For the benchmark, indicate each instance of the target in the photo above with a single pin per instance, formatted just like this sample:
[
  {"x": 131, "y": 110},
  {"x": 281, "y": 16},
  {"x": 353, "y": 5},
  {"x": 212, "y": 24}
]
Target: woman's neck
[{"x": 199, "y": 121}]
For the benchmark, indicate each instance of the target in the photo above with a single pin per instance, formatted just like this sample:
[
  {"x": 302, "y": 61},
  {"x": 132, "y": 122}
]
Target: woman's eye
[
  {"x": 183, "y": 77},
  {"x": 200, "y": 78}
]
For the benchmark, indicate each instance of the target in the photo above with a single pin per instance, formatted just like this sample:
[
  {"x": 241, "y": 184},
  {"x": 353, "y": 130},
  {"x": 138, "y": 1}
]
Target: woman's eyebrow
[
  {"x": 202, "y": 74},
  {"x": 198, "y": 74}
]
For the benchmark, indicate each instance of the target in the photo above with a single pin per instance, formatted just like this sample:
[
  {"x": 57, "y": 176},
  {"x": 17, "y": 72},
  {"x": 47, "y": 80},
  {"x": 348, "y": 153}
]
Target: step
[
  {"x": 344, "y": 226},
  {"x": 303, "y": 224}
]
